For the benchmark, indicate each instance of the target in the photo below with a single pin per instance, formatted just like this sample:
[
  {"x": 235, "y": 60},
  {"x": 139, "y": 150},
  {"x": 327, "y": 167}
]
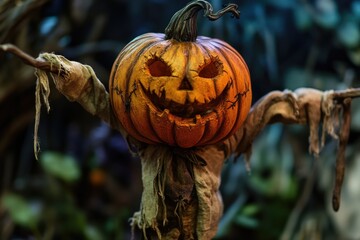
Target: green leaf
[
  {"x": 246, "y": 216},
  {"x": 250, "y": 210},
  {"x": 21, "y": 212},
  {"x": 61, "y": 166}
]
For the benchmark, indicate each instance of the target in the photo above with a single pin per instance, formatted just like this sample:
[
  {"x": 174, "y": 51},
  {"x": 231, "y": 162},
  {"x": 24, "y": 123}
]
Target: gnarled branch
[{"x": 329, "y": 110}]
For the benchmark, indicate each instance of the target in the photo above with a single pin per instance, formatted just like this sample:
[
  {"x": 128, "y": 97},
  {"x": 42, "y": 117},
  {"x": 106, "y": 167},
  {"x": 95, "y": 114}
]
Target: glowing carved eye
[
  {"x": 211, "y": 70},
  {"x": 158, "y": 68}
]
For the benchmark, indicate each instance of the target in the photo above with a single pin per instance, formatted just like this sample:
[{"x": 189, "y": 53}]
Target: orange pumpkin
[{"x": 180, "y": 89}]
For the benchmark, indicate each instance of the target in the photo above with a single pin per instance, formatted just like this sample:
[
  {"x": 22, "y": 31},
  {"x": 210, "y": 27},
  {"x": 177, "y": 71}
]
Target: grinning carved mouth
[{"x": 187, "y": 110}]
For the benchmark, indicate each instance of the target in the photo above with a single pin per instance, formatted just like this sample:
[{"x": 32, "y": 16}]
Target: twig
[
  {"x": 38, "y": 63},
  {"x": 340, "y": 158},
  {"x": 348, "y": 93}
]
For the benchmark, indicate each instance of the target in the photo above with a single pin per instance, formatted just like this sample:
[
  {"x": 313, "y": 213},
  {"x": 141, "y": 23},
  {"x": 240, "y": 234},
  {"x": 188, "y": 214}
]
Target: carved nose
[{"x": 185, "y": 85}]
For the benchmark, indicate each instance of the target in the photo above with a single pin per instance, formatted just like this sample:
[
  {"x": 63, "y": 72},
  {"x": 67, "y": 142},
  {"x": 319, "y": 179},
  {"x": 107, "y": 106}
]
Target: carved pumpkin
[{"x": 180, "y": 89}]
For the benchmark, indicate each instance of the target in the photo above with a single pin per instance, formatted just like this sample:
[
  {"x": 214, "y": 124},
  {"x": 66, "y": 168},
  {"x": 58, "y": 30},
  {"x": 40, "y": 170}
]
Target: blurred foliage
[
  {"x": 53, "y": 206},
  {"x": 63, "y": 167},
  {"x": 87, "y": 185}
]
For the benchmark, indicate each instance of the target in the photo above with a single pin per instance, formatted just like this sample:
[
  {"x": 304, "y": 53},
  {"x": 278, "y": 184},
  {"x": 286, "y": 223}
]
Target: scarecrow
[{"x": 183, "y": 104}]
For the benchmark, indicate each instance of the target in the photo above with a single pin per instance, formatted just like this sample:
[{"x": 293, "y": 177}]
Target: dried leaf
[{"x": 42, "y": 93}]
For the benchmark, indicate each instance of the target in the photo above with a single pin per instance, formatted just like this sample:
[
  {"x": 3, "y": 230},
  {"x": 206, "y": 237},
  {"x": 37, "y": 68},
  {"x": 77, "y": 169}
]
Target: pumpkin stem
[{"x": 182, "y": 26}]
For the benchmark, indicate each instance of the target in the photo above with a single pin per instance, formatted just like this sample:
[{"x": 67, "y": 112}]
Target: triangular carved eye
[
  {"x": 158, "y": 68},
  {"x": 211, "y": 70}
]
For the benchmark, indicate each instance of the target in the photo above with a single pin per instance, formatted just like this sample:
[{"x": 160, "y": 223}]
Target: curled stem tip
[{"x": 182, "y": 26}]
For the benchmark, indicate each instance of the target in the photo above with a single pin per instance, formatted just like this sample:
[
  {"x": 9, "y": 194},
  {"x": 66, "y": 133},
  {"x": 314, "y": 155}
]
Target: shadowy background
[{"x": 86, "y": 185}]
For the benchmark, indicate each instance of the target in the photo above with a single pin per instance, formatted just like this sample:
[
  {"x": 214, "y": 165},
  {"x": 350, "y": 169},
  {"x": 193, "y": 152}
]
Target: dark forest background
[{"x": 86, "y": 185}]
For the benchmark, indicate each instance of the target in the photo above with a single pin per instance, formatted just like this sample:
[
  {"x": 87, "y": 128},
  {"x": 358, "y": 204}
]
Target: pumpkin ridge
[
  {"x": 217, "y": 132},
  {"x": 229, "y": 63},
  {"x": 163, "y": 139},
  {"x": 130, "y": 69},
  {"x": 224, "y": 45},
  {"x": 162, "y": 52},
  {"x": 135, "y": 133},
  {"x": 209, "y": 56},
  {"x": 246, "y": 81},
  {"x": 237, "y": 121},
  {"x": 112, "y": 79},
  {"x": 233, "y": 50},
  {"x": 137, "y": 43},
  {"x": 174, "y": 47},
  {"x": 215, "y": 48},
  {"x": 149, "y": 121},
  {"x": 239, "y": 97},
  {"x": 206, "y": 130}
]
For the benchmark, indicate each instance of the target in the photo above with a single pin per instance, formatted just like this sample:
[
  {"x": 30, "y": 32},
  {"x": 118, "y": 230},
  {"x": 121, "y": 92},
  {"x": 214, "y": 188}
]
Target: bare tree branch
[
  {"x": 329, "y": 110},
  {"x": 340, "y": 158},
  {"x": 38, "y": 63}
]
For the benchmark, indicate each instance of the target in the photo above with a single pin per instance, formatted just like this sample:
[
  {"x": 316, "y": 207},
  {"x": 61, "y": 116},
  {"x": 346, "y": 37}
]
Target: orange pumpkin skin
[{"x": 180, "y": 93}]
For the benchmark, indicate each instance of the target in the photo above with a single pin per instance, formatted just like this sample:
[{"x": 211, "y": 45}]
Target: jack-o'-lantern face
[
  {"x": 180, "y": 93},
  {"x": 187, "y": 86}
]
